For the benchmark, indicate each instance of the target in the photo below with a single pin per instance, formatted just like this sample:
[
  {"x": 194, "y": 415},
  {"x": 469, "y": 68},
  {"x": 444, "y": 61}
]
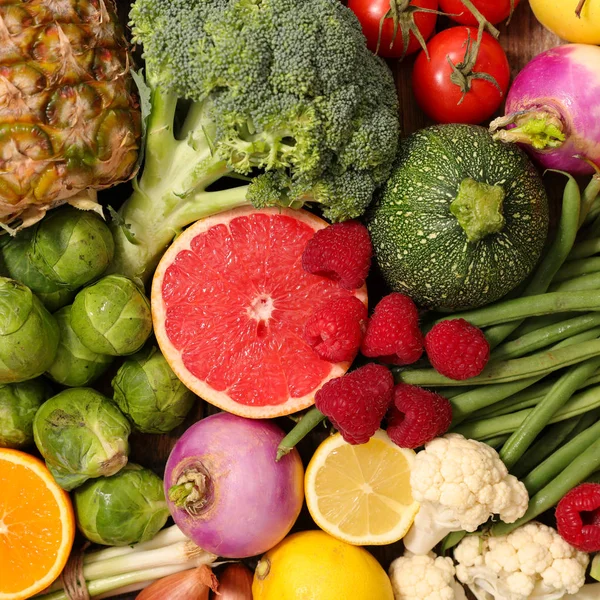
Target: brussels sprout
[
  {"x": 28, "y": 333},
  {"x": 112, "y": 316},
  {"x": 16, "y": 256},
  {"x": 124, "y": 509},
  {"x": 55, "y": 300},
  {"x": 18, "y": 404},
  {"x": 75, "y": 365},
  {"x": 81, "y": 434},
  {"x": 149, "y": 393},
  {"x": 72, "y": 247}
]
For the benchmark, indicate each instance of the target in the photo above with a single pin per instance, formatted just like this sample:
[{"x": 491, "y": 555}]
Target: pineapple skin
[{"x": 69, "y": 113}]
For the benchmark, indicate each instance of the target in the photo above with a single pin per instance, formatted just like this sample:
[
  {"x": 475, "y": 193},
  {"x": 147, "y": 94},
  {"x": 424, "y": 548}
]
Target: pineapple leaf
[{"x": 145, "y": 94}]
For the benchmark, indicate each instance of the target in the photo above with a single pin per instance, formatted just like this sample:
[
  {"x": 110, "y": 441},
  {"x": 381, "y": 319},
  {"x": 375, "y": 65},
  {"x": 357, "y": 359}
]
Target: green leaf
[{"x": 145, "y": 94}]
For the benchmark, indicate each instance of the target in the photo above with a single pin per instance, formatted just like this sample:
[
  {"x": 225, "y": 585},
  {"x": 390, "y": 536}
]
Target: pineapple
[{"x": 69, "y": 117}]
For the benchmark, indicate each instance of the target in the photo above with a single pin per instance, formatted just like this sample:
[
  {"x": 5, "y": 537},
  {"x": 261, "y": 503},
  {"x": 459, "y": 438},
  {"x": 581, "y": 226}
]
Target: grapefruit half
[{"x": 229, "y": 302}]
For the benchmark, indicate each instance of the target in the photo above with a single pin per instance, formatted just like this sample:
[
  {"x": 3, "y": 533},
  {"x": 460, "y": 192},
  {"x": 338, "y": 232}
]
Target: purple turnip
[
  {"x": 553, "y": 109},
  {"x": 225, "y": 490}
]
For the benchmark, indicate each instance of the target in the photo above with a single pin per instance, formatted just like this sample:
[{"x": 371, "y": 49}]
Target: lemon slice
[{"x": 361, "y": 494}]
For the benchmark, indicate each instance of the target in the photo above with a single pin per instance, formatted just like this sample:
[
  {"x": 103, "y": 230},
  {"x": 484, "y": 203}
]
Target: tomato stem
[
  {"x": 512, "y": 10},
  {"x": 483, "y": 22},
  {"x": 462, "y": 74},
  {"x": 403, "y": 17},
  {"x": 580, "y": 8}
]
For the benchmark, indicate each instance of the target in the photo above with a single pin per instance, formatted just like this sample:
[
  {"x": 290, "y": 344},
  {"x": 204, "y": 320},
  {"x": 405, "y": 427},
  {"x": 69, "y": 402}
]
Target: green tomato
[
  {"x": 29, "y": 334},
  {"x": 149, "y": 393},
  {"x": 75, "y": 365},
  {"x": 81, "y": 434},
  {"x": 124, "y": 509},
  {"x": 18, "y": 404},
  {"x": 72, "y": 247},
  {"x": 112, "y": 316}
]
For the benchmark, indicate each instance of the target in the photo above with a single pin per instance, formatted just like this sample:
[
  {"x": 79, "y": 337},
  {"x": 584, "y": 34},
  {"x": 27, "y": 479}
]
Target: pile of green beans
[{"x": 538, "y": 399}]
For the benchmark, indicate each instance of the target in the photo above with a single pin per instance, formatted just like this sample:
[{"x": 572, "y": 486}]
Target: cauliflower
[
  {"x": 531, "y": 562},
  {"x": 591, "y": 591},
  {"x": 460, "y": 484},
  {"x": 425, "y": 578}
]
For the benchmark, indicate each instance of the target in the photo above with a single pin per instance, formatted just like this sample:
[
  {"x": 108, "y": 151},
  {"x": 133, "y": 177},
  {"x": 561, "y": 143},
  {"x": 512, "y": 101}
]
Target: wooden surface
[{"x": 522, "y": 39}]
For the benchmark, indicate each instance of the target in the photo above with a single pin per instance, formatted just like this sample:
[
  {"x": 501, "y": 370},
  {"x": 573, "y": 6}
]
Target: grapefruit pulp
[{"x": 229, "y": 302}]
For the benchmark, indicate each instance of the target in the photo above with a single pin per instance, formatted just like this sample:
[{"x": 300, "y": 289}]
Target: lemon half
[{"x": 361, "y": 494}]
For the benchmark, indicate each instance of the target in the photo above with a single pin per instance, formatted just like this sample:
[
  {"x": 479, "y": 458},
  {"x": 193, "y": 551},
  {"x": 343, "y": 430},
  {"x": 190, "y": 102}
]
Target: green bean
[
  {"x": 594, "y": 211},
  {"x": 541, "y": 414},
  {"x": 574, "y": 473},
  {"x": 525, "y": 399},
  {"x": 594, "y": 478},
  {"x": 450, "y": 393},
  {"x": 594, "y": 229},
  {"x": 512, "y": 407},
  {"x": 589, "y": 197},
  {"x": 583, "y": 283},
  {"x": 531, "y": 306},
  {"x": 303, "y": 427},
  {"x": 548, "y": 468},
  {"x": 552, "y": 261},
  {"x": 547, "y": 443},
  {"x": 576, "y": 268},
  {"x": 545, "y": 337},
  {"x": 469, "y": 402},
  {"x": 534, "y": 365},
  {"x": 451, "y": 540},
  {"x": 579, "y": 404},
  {"x": 535, "y": 323},
  {"x": 586, "y": 248},
  {"x": 496, "y": 442}
]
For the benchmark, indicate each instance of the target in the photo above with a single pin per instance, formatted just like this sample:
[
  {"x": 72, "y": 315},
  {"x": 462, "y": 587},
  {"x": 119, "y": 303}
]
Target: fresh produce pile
[{"x": 270, "y": 193}]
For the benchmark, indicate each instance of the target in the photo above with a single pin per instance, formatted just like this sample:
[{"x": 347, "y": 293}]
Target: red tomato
[
  {"x": 440, "y": 97},
  {"x": 371, "y": 12},
  {"x": 493, "y": 10}
]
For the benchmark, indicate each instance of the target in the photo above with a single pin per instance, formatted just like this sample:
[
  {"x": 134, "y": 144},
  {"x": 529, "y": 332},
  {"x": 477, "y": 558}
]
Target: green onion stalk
[{"x": 124, "y": 569}]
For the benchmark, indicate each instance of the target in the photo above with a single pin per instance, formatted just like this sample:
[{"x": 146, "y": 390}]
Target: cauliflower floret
[
  {"x": 424, "y": 578},
  {"x": 460, "y": 484},
  {"x": 532, "y": 562}
]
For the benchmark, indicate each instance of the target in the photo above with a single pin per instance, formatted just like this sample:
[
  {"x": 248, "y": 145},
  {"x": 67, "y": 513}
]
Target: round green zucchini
[{"x": 462, "y": 220}]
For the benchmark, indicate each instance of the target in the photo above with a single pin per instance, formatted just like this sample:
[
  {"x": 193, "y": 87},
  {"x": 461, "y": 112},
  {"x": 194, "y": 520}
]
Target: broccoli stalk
[
  {"x": 171, "y": 192},
  {"x": 280, "y": 93}
]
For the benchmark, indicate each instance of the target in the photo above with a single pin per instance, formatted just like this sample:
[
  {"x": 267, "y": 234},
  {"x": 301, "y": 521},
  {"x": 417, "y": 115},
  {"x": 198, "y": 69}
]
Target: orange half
[
  {"x": 37, "y": 526},
  {"x": 229, "y": 302}
]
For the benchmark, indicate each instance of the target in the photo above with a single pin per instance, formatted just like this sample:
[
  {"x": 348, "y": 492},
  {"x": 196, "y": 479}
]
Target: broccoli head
[{"x": 283, "y": 93}]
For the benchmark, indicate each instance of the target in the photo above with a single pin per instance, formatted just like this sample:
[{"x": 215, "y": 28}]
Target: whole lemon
[
  {"x": 312, "y": 565},
  {"x": 572, "y": 20}
]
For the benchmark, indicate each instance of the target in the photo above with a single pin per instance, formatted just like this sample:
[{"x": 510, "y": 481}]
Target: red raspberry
[
  {"x": 335, "y": 330},
  {"x": 578, "y": 517},
  {"x": 341, "y": 252},
  {"x": 417, "y": 416},
  {"x": 457, "y": 349},
  {"x": 393, "y": 333},
  {"x": 357, "y": 402}
]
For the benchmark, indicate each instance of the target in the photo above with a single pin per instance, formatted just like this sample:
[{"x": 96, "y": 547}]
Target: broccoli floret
[{"x": 281, "y": 93}]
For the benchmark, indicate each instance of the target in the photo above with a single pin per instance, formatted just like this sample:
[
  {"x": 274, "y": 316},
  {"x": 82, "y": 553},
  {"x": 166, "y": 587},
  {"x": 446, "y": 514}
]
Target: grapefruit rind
[
  {"x": 202, "y": 389},
  {"x": 67, "y": 519}
]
